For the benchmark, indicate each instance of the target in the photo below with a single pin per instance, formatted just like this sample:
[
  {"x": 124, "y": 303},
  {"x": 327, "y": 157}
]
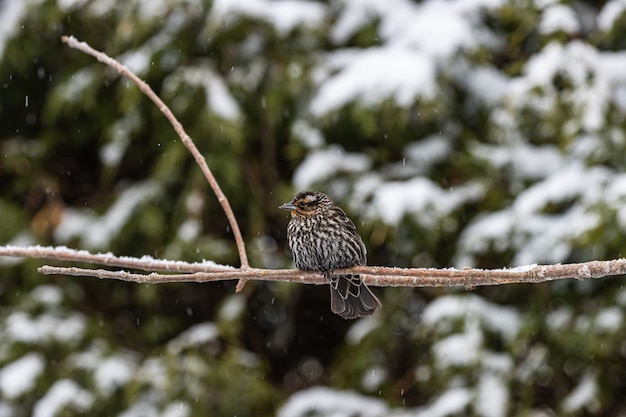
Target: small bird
[{"x": 323, "y": 238}]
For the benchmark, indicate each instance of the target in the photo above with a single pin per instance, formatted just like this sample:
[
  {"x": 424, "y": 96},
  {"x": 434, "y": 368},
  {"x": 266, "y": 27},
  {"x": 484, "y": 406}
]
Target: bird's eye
[{"x": 306, "y": 203}]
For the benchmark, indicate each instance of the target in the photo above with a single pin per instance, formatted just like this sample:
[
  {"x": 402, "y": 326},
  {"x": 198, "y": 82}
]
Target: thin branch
[
  {"x": 145, "y": 263},
  {"x": 376, "y": 275},
  {"x": 72, "y": 42}
]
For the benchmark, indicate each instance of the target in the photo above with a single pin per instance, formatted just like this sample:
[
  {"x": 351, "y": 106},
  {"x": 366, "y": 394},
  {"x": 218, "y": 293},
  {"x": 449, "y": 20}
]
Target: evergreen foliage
[{"x": 488, "y": 133}]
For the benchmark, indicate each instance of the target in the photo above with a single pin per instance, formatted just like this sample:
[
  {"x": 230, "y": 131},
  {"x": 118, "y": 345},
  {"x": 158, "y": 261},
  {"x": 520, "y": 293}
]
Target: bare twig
[
  {"x": 377, "y": 276},
  {"x": 72, "y": 42}
]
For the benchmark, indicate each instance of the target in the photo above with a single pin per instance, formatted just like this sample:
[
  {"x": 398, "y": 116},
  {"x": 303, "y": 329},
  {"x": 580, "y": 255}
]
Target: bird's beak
[{"x": 288, "y": 206}]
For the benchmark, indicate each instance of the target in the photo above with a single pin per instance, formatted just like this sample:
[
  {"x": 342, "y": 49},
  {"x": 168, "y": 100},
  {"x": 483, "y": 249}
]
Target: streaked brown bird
[{"x": 323, "y": 238}]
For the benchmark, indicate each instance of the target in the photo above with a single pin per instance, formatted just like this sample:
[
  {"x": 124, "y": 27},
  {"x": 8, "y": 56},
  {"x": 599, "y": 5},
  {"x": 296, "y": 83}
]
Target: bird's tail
[{"x": 350, "y": 298}]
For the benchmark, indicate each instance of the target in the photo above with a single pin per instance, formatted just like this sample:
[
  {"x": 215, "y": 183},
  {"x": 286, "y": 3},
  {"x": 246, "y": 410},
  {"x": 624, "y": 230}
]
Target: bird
[{"x": 322, "y": 238}]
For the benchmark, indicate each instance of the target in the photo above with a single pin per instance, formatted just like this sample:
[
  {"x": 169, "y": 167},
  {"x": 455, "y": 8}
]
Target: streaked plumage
[{"x": 323, "y": 238}]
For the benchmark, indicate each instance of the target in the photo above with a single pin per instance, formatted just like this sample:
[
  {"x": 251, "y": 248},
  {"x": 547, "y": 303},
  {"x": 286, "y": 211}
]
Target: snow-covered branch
[
  {"x": 145, "y": 263},
  {"x": 373, "y": 275}
]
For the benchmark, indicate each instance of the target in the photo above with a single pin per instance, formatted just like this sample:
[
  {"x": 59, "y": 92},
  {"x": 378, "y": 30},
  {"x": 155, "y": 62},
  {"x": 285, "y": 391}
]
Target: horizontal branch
[
  {"x": 145, "y": 263},
  {"x": 375, "y": 275}
]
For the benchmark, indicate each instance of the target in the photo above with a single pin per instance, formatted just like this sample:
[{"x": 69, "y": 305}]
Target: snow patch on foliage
[
  {"x": 529, "y": 227},
  {"x": 584, "y": 395},
  {"x": 421, "y": 198},
  {"x": 492, "y": 398},
  {"x": 325, "y": 401},
  {"x": 196, "y": 335},
  {"x": 559, "y": 18},
  {"x": 11, "y": 13},
  {"x": 459, "y": 349},
  {"x": 110, "y": 370},
  {"x": 20, "y": 376},
  {"x": 48, "y": 295},
  {"x": 217, "y": 95},
  {"x": 63, "y": 393},
  {"x": 451, "y": 402},
  {"x": 502, "y": 320},
  {"x": 96, "y": 232},
  {"x": 283, "y": 16},
  {"x": 372, "y": 75},
  {"x": 439, "y": 28},
  {"x": 324, "y": 163},
  {"x": 25, "y": 328},
  {"x": 610, "y": 13}
]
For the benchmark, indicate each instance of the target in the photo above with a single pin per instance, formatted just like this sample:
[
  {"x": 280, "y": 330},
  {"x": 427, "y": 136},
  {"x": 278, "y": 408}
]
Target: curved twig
[{"x": 72, "y": 42}]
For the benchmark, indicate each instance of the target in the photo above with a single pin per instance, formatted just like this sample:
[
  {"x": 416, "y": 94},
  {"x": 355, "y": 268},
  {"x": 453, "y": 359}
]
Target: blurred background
[{"x": 486, "y": 133}]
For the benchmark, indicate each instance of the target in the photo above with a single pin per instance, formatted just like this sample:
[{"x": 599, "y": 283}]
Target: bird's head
[{"x": 308, "y": 203}]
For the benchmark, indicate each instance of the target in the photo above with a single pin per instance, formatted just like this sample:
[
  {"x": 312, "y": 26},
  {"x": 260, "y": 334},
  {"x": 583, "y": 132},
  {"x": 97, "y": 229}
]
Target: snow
[
  {"x": 324, "y": 163},
  {"x": 109, "y": 370},
  {"x": 95, "y": 231},
  {"x": 11, "y": 14},
  {"x": 39, "y": 251},
  {"x": 137, "y": 61},
  {"x": 452, "y": 401},
  {"x": 526, "y": 161},
  {"x": 153, "y": 371},
  {"x": 7, "y": 410},
  {"x": 438, "y": 27},
  {"x": 112, "y": 152},
  {"x": 178, "y": 409},
  {"x": 20, "y": 376},
  {"x": 113, "y": 372},
  {"x": 47, "y": 295},
  {"x": 427, "y": 151},
  {"x": 283, "y": 16},
  {"x": 189, "y": 230},
  {"x": 326, "y": 401},
  {"x": 218, "y": 98},
  {"x": 609, "y": 14},
  {"x": 63, "y": 393},
  {"x": 565, "y": 184},
  {"x": 584, "y": 395},
  {"x": 485, "y": 83},
  {"x": 197, "y": 334},
  {"x": 372, "y": 75},
  {"x": 422, "y": 198},
  {"x": 73, "y": 89},
  {"x": 609, "y": 320},
  {"x": 22, "y": 327},
  {"x": 525, "y": 227},
  {"x": 503, "y": 320},
  {"x": 67, "y": 5},
  {"x": 492, "y": 397},
  {"x": 373, "y": 378},
  {"x": 461, "y": 349},
  {"x": 559, "y": 17},
  {"x": 361, "y": 328},
  {"x": 307, "y": 134},
  {"x": 232, "y": 308},
  {"x": 560, "y": 318}
]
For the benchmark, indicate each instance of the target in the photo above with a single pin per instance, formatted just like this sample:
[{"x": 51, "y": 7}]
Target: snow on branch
[
  {"x": 372, "y": 275},
  {"x": 146, "y": 263}
]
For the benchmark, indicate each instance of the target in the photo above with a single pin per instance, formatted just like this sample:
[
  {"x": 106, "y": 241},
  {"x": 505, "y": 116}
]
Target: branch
[
  {"x": 376, "y": 275},
  {"x": 146, "y": 263},
  {"x": 72, "y": 42}
]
